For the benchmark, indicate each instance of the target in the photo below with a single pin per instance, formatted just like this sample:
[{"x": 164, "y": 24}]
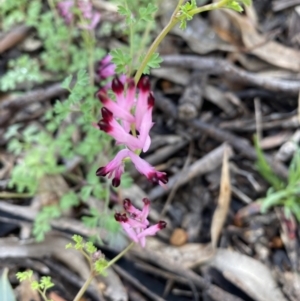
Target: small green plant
[
  {"x": 41, "y": 286},
  {"x": 23, "y": 69},
  {"x": 281, "y": 193}
]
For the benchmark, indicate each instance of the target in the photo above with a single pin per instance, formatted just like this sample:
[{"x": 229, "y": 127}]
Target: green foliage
[
  {"x": 42, "y": 223},
  {"x": 12, "y": 12},
  {"x": 265, "y": 169},
  {"x": 26, "y": 275},
  {"x": 281, "y": 193},
  {"x": 139, "y": 18},
  {"x": 96, "y": 259},
  {"x": 186, "y": 13},
  {"x": 154, "y": 62},
  {"x": 23, "y": 69},
  {"x": 189, "y": 9},
  {"x": 41, "y": 286}
]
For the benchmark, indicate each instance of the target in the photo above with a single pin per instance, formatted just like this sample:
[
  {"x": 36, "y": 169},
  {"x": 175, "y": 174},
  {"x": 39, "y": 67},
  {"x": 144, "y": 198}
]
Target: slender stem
[
  {"x": 54, "y": 12},
  {"x": 110, "y": 263},
  {"x": 107, "y": 196},
  {"x": 84, "y": 287},
  {"x": 114, "y": 260},
  {"x": 43, "y": 294},
  {"x": 7, "y": 195},
  {"x": 153, "y": 47},
  {"x": 91, "y": 58},
  {"x": 173, "y": 21},
  {"x": 144, "y": 39},
  {"x": 87, "y": 258},
  {"x": 209, "y": 7}
]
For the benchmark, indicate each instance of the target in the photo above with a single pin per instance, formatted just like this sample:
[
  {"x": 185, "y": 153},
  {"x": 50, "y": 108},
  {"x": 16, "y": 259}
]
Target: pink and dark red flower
[
  {"x": 136, "y": 224},
  {"x": 115, "y": 168},
  {"x": 148, "y": 170},
  {"x": 128, "y": 119},
  {"x": 90, "y": 17}
]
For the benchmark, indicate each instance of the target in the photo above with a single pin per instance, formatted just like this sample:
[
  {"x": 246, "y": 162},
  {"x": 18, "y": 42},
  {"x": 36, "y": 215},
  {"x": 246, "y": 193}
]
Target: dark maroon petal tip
[
  {"x": 151, "y": 100},
  {"x": 116, "y": 182},
  {"x": 157, "y": 176},
  {"x": 117, "y": 86},
  {"x": 146, "y": 201},
  {"x": 106, "y": 114},
  {"x": 102, "y": 96},
  {"x": 101, "y": 171},
  {"x": 163, "y": 178},
  {"x": 162, "y": 224},
  {"x": 119, "y": 217},
  {"x": 144, "y": 84},
  {"x": 104, "y": 126},
  {"x": 126, "y": 204}
]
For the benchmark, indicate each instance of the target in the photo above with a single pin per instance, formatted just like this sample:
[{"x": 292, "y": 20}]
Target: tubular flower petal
[
  {"x": 112, "y": 106},
  {"x": 142, "y": 101},
  {"x": 114, "y": 168},
  {"x": 136, "y": 213},
  {"x": 106, "y": 68},
  {"x": 123, "y": 220},
  {"x": 114, "y": 129},
  {"x": 136, "y": 225},
  {"x": 149, "y": 171}
]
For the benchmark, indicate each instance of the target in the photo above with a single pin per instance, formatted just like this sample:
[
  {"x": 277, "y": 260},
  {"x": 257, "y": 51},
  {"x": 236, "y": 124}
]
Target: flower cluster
[
  {"x": 128, "y": 120},
  {"x": 135, "y": 222},
  {"x": 90, "y": 17}
]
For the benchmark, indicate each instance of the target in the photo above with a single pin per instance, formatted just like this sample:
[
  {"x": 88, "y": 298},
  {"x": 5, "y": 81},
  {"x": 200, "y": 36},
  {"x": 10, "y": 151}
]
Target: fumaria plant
[{"x": 127, "y": 104}]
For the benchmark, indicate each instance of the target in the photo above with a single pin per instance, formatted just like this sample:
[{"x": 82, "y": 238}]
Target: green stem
[
  {"x": 107, "y": 196},
  {"x": 43, "y": 294},
  {"x": 208, "y": 7},
  {"x": 176, "y": 17},
  {"x": 84, "y": 287},
  {"x": 7, "y": 195},
  {"x": 173, "y": 21},
  {"x": 91, "y": 58},
  {"x": 87, "y": 258},
  {"x": 114, "y": 260},
  {"x": 54, "y": 12}
]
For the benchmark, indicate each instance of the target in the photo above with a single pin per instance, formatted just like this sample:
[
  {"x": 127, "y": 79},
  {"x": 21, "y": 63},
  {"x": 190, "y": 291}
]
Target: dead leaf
[
  {"x": 259, "y": 45},
  {"x": 221, "y": 211},
  {"x": 250, "y": 275}
]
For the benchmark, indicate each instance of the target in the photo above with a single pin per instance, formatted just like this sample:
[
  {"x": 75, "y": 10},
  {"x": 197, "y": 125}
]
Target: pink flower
[
  {"x": 106, "y": 68},
  {"x": 90, "y": 18},
  {"x": 93, "y": 22},
  {"x": 136, "y": 224},
  {"x": 115, "y": 168},
  {"x": 149, "y": 171},
  {"x": 64, "y": 9},
  {"x": 128, "y": 120},
  {"x": 122, "y": 107}
]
